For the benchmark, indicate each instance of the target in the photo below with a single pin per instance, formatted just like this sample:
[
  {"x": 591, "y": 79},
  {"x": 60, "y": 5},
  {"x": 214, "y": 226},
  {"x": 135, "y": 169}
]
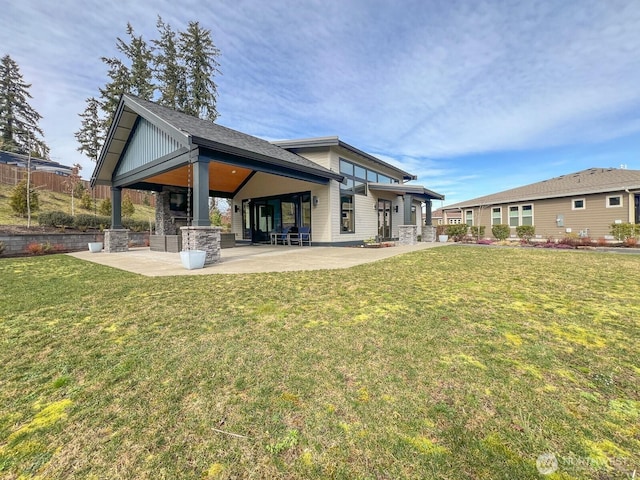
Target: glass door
[{"x": 384, "y": 219}]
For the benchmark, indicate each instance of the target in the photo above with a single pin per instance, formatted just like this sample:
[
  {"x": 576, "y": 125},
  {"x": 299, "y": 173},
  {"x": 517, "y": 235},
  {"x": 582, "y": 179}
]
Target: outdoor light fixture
[
  {"x": 236, "y": 208},
  {"x": 315, "y": 201},
  {"x": 396, "y": 208}
]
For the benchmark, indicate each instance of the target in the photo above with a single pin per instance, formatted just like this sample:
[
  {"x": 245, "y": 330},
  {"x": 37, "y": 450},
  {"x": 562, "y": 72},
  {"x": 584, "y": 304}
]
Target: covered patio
[{"x": 186, "y": 160}]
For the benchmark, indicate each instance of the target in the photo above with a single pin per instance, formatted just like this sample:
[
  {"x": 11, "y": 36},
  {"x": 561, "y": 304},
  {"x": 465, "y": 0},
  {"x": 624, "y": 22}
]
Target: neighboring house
[
  {"x": 342, "y": 194},
  {"x": 39, "y": 164},
  {"x": 585, "y": 203},
  {"x": 453, "y": 217}
]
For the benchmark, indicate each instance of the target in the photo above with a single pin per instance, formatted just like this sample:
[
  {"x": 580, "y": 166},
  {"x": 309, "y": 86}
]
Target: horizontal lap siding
[{"x": 596, "y": 217}]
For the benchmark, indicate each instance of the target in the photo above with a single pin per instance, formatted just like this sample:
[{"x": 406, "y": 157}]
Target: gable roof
[
  {"x": 335, "y": 141},
  {"x": 585, "y": 182},
  {"x": 190, "y": 132}
]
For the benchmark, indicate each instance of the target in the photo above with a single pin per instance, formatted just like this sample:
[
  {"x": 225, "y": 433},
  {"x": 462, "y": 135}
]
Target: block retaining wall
[{"x": 68, "y": 242}]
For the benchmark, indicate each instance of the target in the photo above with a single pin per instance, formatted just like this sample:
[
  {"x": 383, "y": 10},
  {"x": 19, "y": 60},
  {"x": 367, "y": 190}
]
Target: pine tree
[
  {"x": 199, "y": 55},
  {"x": 19, "y": 130},
  {"x": 169, "y": 71},
  {"x": 18, "y": 199},
  {"x": 140, "y": 56},
  {"x": 113, "y": 90},
  {"x": 127, "y": 207},
  {"x": 91, "y": 133}
]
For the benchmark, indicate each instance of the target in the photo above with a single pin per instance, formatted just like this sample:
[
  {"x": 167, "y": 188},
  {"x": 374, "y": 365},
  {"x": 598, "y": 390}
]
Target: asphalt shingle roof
[
  {"x": 204, "y": 132},
  {"x": 592, "y": 180}
]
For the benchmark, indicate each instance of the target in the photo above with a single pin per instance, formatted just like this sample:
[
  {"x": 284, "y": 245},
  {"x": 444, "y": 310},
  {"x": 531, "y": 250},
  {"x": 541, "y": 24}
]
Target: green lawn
[{"x": 449, "y": 363}]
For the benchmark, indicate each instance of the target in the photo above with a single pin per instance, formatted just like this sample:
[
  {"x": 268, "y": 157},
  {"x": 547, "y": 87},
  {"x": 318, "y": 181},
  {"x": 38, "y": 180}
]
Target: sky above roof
[{"x": 474, "y": 97}]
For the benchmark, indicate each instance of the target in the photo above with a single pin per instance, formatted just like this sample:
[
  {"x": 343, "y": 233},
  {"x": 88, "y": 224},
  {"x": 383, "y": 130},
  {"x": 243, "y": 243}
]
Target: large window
[
  {"x": 496, "y": 216},
  {"x": 520, "y": 215}
]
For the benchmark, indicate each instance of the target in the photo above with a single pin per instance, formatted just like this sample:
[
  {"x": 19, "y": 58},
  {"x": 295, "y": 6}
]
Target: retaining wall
[{"x": 67, "y": 242}]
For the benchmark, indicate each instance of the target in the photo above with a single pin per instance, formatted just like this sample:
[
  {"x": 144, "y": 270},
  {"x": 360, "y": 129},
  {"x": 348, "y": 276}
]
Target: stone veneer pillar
[
  {"x": 203, "y": 238},
  {"x": 408, "y": 234},
  {"x": 116, "y": 240},
  {"x": 164, "y": 225},
  {"x": 428, "y": 233}
]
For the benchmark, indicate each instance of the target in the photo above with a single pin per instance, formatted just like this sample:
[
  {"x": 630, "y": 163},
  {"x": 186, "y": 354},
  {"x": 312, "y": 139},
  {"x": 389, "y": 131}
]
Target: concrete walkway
[{"x": 249, "y": 259}]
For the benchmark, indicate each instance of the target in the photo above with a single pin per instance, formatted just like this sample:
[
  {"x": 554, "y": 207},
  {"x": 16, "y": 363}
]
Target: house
[
  {"x": 341, "y": 193},
  {"x": 453, "y": 217},
  {"x": 39, "y": 164},
  {"x": 585, "y": 203}
]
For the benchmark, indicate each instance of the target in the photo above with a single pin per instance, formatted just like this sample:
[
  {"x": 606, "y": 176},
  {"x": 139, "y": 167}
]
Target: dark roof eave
[{"x": 320, "y": 172}]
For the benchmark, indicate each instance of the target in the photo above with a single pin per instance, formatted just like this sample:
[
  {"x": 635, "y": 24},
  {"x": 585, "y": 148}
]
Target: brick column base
[
  {"x": 116, "y": 240},
  {"x": 408, "y": 234},
  {"x": 203, "y": 238}
]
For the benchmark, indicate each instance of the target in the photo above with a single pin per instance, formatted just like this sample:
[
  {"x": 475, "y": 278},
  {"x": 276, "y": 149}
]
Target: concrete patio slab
[{"x": 249, "y": 259}]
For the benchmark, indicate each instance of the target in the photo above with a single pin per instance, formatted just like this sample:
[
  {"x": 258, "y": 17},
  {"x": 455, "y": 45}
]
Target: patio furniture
[
  {"x": 302, "y": 235},
  {"x": 277, "y": 237}
]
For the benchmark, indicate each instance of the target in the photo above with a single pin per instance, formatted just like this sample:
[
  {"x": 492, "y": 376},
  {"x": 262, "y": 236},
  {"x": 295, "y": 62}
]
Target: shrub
[
  {"x": 127, "y": 207},
  {"x": 501, "y": 232},
  {"x": 622, "y": 231},
  {"x": 18, "y": 200},
  {"x": 55, "y": 219},
  {"x": 105, "y": 207},
  {"x": 137, "y": 225},
  {"x": 35, "y": 248},
  {"x": 526, "y": 232},
  {"x": 631, "y": 242},
  {"x": 457, "y": 232},
  {"x": 440, "y": 229},
  {"x": 85, "y": 200},
  {"x": 478, "y": 232},
  {"x": 84, "y": 221}
]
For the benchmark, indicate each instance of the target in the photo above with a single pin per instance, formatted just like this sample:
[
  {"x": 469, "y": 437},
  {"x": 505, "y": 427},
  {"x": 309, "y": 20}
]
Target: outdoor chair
[
  {"x": 302, "y": 235},
  {"x": 280, "y": 237}
]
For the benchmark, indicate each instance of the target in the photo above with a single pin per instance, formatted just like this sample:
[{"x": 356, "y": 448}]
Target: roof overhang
[
  {"x": 335, "y": 141},
  {"x": 417, "y": 191},
  {"x": 230, "y": 165}
]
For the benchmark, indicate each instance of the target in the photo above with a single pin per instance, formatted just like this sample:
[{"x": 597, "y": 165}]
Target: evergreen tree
[
  {"x": 169, "y": 72},
  {"x": 105, "y": 207},
  {"x": 127, "y": 207},
  {"x": 140, "y": 56},
  {"x": 19, "y": 130},
  {"x": 18, "y": 200},
  {"x": 91, "y": 133},
  {"x": 110, "y": 94},
  {"x": 199, "y": 55}
]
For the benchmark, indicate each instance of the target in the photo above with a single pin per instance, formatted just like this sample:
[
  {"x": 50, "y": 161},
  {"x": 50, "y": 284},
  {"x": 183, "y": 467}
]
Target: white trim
[
  {"x": 609, "y": 197},
  {"x": 492, "y": 212},
  {"x": 519, "y": 207},
  {"x": 573, "y": 204}
]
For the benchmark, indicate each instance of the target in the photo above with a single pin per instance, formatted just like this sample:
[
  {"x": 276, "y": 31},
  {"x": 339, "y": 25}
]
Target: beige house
[
  {"x": 323, "y": 187},
  {"x": 372, "y": 200},
  {"x": 585, "y": 203}
]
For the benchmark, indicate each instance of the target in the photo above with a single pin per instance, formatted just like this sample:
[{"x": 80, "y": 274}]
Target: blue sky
[{"x": 472, "y": 96}]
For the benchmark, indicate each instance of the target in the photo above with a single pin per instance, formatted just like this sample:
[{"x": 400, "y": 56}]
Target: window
[
  {"x": 514, "y": 216},
  {"x": 520, "y": 215},
  {"x": 496, "y": 216},
  {"x": 372, "y": 176},
  {"x": 614, "y": 201},
  {"x": 347, "y": 220},
  {"x": 468, "y": 217},
  {"x": 355, "y": 178},
  {"x": 346, "y": 167},
  {"x": 527, "y": 215},
  {"x": 578, "y": 204}
]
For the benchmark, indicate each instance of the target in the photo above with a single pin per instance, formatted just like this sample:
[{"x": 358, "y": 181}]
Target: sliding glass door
[{"x": 263, "y": 216}]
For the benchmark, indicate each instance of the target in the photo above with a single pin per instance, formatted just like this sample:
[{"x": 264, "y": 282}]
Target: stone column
[
  {"x": 164, "y": 225},
  {"x": 428, "y": 233},
  {"x": 116, "y": 240},
  {"x": 408, "y": 234},
  {"x": 203, "y": 238}
]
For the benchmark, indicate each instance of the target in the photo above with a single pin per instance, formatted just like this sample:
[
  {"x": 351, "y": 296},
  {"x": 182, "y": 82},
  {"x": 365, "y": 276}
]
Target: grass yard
[{"x": 449, "y": 363}]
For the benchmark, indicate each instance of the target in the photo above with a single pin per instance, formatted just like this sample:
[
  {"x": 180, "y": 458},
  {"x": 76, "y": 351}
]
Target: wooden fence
[{"x": 12, "y": 175}]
